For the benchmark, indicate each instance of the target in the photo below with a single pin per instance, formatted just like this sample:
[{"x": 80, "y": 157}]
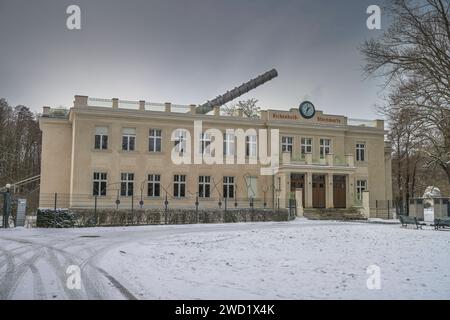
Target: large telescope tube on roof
[{"x": 236, "y": 92}]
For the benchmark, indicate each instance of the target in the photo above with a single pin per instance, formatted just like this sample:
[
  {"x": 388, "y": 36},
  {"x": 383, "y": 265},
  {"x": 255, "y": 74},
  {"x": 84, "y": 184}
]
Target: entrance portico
[{"x": 323, "y": 185}]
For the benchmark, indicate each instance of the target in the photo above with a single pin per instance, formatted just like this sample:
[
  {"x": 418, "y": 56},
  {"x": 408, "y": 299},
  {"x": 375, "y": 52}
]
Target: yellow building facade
[{"x": 119, "y": 153}]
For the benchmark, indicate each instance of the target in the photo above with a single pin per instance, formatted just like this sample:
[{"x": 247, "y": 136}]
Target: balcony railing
[{"x": 307, "y": 159}]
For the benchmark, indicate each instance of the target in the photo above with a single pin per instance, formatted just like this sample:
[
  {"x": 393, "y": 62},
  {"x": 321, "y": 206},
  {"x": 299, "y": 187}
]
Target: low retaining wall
[{"x": 111, "y": 217}]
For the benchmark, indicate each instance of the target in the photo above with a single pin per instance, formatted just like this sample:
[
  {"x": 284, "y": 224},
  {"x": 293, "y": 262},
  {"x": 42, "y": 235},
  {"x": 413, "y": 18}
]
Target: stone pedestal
[{"x": 299, "y": 200}]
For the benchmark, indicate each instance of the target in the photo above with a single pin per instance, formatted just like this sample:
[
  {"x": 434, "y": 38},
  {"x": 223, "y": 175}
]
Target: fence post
[
  {"x": 376, "y": 208},
  {"x": 196, "y": 208},
  {"x": 290, "y": 210},
  {"x": 54, "y": 211},
  {"x": 132, "y": 208},
  {"x": 265, "y": 203},
  {"x": 165, "y": 209},
  {"x": 388, "y": 210},
  {"x": 95, "y": 210}
]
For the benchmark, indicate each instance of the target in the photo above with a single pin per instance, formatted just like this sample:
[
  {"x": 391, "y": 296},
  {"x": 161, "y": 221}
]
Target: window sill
[
  {"x": 155, "y": 153},
  {"x": 101, "y": 150},
  {"x": 133, "y": 152}
]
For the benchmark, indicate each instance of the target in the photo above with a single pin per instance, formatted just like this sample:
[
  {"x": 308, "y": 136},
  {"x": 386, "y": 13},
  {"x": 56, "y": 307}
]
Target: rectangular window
[
  {"x": 128, "y": 139},
  {"x": 101, "y": 138},
  {"x": 126, "y": 185},
  {"x": 325, "y": 147},
  {"x": 361, "y": 185},
  {"x": 99, "y": 184},
  {"x": 205, "y": 142},
  {"x": 286, "y": 144},
  {"x": 204, "y": 186},
  {"x": 360, "y": 151},
  {"x": 252, "y": 186},
  {"x": 250, "y": 146},
  {"x": 154, "y": 185},
  {"x": 306, "y": 146},
  {"x": 179, "y": 185},
  {"x": 228, "y": 187},
  {"x": 228, "y": 144},
  {"x": 180, "y": 141},
  {"x": 154, "y": 140}
]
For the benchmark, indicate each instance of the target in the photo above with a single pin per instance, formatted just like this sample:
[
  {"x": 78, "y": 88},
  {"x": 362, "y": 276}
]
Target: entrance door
[
  {"x": 298, "y": 181},
  {"x": 339, "y": 192},
  {"x": 318, "y": 186}
]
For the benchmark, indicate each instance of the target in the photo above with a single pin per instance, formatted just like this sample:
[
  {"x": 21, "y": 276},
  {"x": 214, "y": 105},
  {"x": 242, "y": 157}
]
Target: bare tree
[
  {"x": 20, "y": 143},
  {"x": 247, "y": 107},
  {"x": 413, "y": 56}
]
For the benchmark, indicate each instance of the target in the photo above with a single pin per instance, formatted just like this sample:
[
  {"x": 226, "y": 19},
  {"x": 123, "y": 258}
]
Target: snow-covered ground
[{"x": 288, "y": 260}]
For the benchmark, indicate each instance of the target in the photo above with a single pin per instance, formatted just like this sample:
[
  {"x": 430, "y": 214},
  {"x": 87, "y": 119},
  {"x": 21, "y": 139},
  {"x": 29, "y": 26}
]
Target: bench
[
  {"x": 405, "y": 220},
  {"x": 441, "y": 223}
]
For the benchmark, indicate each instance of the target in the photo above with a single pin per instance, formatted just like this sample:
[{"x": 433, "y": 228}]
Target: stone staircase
[{"x": 333, "y": 214}]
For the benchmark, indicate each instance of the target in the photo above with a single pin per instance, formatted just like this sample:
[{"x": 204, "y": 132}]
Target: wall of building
[
  {"x": 68, "y": 150},
  {"x": 55, "y": 159}
]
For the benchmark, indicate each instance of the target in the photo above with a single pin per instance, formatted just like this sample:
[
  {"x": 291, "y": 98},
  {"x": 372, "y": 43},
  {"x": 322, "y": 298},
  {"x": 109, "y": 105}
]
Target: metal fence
[
  {"x": 386, "y": 209},
  {"x": 164, "y": 210},
  {"x": 57, "y": 201},
  {"x": 85, "y": 201}
]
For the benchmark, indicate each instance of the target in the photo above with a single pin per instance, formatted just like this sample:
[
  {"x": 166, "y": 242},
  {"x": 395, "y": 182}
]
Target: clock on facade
[{"x": 307, "y": 110}]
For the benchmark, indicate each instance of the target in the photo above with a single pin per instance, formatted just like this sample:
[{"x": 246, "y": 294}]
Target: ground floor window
[
  {"x": 99, "y": 184},
  {"x": 154, "y": 185},
  {"x": 204, "y": 186},
  {"x": 361, "y": 186},
  {"x": 179, "y": 185},
  {"x": 252, "y": 187},
  {"x": 126, "y": 185},
  {"x": 228, "y": 187}
]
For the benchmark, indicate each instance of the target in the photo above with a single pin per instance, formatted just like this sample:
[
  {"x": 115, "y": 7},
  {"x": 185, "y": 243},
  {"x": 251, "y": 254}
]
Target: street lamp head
[{"x": 8, "y": 186}]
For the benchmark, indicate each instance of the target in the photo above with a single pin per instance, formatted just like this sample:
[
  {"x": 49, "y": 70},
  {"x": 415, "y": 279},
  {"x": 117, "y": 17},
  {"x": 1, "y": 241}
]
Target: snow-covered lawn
[
  {"x": 289, "y": 260},
  {"x": 303, "y": 260}
]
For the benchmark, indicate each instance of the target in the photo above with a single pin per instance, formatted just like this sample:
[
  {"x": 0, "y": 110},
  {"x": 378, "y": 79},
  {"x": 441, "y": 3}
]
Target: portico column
[
  {"x": 329, "y": 190},
  {"x": 351, "y": 190},
  {"x": 308, "y": 191}
]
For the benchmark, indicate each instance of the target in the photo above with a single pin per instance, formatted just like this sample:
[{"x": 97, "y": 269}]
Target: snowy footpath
[{"x": 277, "y": 260}]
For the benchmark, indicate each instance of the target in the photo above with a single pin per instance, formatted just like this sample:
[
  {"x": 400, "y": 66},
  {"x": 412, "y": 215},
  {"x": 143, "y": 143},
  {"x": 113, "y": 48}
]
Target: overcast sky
[{"x": 188, "y": 51}]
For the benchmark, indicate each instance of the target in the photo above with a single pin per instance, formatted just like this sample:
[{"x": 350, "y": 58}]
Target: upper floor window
[
  {"x": 180, "y": 141},
  {"x": 126, "y": 185},
  {"x": 306, "y": 146},
  {"x": 154, "y": 140},
  {"x": 286, "y": 144},
  {"x": 101, "y": 138},
  {"x": 228, "y": 187},
  {"x": 325, "y": 147},
  {"x": 205, "y": 142},
  {"x": 128, "y": 139},
  {"x": 204, "y": 186},
  {"x": 360, "y": 151},
  {"x": 251, "y": 146},
  {"x": 228, "y": 144},
  {"x": 154, "y": 185},
  {"x": 99, "y": 184},
  {"x": 361, "y": 186}
]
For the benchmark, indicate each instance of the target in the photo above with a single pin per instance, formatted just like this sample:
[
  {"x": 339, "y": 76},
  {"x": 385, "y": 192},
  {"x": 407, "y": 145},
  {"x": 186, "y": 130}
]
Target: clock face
[{"x": 307, "y": 110}]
